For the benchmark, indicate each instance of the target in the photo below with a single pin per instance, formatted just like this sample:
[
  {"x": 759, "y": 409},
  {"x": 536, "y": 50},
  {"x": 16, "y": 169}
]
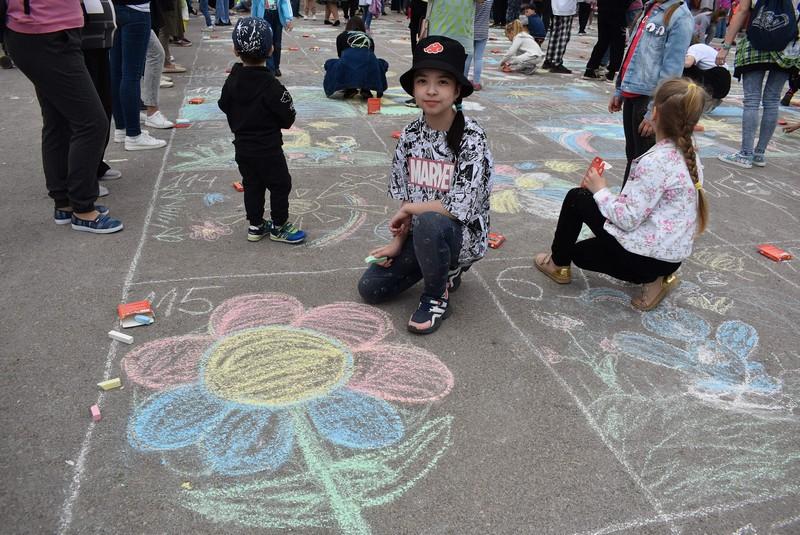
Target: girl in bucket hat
[{"x": 441, "y": 173}]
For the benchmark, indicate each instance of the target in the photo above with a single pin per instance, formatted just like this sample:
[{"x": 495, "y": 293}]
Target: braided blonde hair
[{"x": 680, "y": 103}]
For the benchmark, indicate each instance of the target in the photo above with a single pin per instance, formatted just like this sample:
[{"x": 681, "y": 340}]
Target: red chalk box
[
  {"x": 773, "y": 253},
  {"x": 373, "y": 105},
  {"x": 496, "y": 240},
  {"x": 396, "y": 134},
  {"x": 127, "y": 311},
  {"x": 238, "y": 186},
  {"x": 196, "y": 100}
]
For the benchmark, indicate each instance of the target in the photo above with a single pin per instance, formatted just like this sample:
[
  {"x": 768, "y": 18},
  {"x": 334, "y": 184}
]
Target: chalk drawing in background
[
  {"x": 701, "y": 413},
  {"x": 290, "y": 417}
]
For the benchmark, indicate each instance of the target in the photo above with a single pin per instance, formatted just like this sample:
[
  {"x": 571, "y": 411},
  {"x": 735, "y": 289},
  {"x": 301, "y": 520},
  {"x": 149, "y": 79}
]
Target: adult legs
[
  {"x": 368, "y": 18},
  {"x": 274, "y": 22},
  {"x": 562, "y": 30},
  {"x": 584, "y": 11},
  {"x": 512, "y": 10},
  {"x": 127, "y": 66},
  {"x": 600, "y": 47},
  {"x": 478, "y": 48},
  {"x": 154, "y": 64},
  {"x": 499, "y": 9},
  {"x": 633, "y": 112},
  {"x": 223, "y": 16},
  {"x": 73, "y": 135},
  {"x": 770, "y": 100},
  {"x": 752, "y": 84},
  {"x": 204, "y": 11},
  {"x": 97, "y": 63}
]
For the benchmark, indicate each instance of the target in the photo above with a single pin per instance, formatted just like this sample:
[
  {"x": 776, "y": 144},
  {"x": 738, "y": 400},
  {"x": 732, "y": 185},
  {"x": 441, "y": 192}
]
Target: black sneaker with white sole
[{"x": 431, "y": 312}]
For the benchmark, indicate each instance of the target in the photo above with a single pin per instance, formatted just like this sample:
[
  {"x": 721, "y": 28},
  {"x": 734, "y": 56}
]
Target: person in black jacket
[{"x": 258, "y": 106}]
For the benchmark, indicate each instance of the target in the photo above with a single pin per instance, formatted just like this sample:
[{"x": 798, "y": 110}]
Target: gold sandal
[
  {"x": 668, "y": 283},
  {"x": 561, "y": 275}
]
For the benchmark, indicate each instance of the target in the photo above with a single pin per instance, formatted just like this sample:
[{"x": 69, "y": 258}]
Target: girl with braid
[
  {"x": 441, "y": 174},
  {"x": 643, "y": 234}
]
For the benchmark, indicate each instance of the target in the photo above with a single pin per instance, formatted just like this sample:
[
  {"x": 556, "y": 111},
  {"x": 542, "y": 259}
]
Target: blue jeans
[
  {"x": 127, "y": 67},
  {"x": 274, "y": 21},
  {"x": 428, "y": 253},
  {"x": 367, "y": 18},
  {"x": 204, "y": 11},
  {"x": 752, "y": 84},
  {"x": 477, "y": 54},
  {"x": 222, "y": 12}
]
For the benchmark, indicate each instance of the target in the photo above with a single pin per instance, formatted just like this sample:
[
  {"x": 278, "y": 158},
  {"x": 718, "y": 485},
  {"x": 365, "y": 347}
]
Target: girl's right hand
[
  {"x": 389, "y": 251},
  {"x": 722, "y": 54}
]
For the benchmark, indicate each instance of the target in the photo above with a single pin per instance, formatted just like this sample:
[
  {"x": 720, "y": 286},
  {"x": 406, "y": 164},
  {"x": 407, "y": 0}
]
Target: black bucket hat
[{"x": 440, "y": 53}]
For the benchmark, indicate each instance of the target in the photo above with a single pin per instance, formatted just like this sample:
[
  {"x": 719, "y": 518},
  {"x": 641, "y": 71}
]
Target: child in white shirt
[{"x": 524, "y": 54}]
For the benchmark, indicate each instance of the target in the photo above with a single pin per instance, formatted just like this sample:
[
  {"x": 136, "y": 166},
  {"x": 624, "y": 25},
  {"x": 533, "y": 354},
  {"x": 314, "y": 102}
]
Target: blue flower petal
[
  {"x": 174, "y": 419},
  {"x": 351, "y": 419},
  {"x": 249, "y": 440}
]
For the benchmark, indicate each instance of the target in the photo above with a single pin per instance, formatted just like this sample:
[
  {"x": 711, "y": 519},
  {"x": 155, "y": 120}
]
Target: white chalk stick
[{"x": 120, "y": 337}]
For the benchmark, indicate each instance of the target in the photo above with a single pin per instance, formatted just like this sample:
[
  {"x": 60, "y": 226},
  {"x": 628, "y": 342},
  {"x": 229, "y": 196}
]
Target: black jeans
[
  {"x": 499, "y": 12},
  {"x": 99, "y": 67},
  {"x": 74, "y": 124},
  {"x": 603, "y": 253},
  {"x": 584, "y": 11},
  {"x": 428, "y": 253},
  {"x": 716, "y": 80},
  {"x": 633, "y": 112},
  {"x": 262, "y": 173},
  {"x": 608, "y": 36},
  {"x": 350, "y": 8}
]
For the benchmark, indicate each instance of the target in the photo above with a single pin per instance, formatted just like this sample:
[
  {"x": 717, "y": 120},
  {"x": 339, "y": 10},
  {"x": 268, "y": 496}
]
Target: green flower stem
[{"x": 346, "y": 512}]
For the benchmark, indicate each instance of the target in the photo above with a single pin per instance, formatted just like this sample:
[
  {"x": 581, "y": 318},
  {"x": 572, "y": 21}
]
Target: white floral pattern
[{"x": 655, "y": 215}]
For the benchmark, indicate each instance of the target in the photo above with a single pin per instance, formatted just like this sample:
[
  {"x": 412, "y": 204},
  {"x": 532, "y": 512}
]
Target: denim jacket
[
  {"x": 284, "y": 8},
  {"x": 660, "y": 52}
]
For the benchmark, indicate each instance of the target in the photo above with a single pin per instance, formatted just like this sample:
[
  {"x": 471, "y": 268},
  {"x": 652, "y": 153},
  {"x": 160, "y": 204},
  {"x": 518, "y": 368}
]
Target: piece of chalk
[
  {"x": 110, "y": 384},
  {"x": 120, "y": 337},
  {"x": 95, "y": 410},
  {"x": 182, "y": 121},
  {"x": 373, "y": 260},
  {"x": 144, "y": 320}
]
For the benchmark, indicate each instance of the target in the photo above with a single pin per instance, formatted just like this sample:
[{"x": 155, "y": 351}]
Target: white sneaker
[
  {"x": 167, "y": 78},
  {"x": 102, "y": 191},
  {"x": 111, "y": 174},
  {"x": 314, "y": 16},
  {"x": 143, "y": 141},
  {"x": 157, "y": 120},
  {"x": 165, "y": 83},
  {"x": 142, "y": 117},
  {"x": 207, "y": 29},
  {"x": 119, "y": 135}
]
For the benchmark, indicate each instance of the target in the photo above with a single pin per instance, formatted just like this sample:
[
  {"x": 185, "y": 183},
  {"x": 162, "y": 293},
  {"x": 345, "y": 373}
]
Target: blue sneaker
[
  {"x": 759, "y": 160},
  {"x": 64, "y": 217},
  {"x": 430, "y": 314},
  {"x": 104, "y": 224},
  {"x": 258, "y": 232},
  {"x": 287, "y": 233},
  {"x": 737, "y": 159}
]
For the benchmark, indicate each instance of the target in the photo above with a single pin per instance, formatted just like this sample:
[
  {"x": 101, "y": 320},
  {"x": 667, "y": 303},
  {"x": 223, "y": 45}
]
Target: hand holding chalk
[{"x": 376, "y": 259}]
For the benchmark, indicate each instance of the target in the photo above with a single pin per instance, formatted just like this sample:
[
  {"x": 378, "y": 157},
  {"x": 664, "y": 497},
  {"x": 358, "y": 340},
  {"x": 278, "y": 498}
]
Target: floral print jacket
[
  {"x": 655, "y": 215},
  {"x": 425, "y": 169}
]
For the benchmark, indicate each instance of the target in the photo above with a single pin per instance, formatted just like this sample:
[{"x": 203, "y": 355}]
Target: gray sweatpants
[{"x": 153, "y": 66}]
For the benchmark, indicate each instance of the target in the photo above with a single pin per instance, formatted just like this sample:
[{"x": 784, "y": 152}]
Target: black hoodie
[{"x": 258, "y": 107}]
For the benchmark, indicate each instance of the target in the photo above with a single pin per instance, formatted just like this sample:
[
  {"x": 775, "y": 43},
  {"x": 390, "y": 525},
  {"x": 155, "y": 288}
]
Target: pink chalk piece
[
  {"x": 254, "y": 310},
  {"x": 166, "y": 362},
  {"x": 359, "y": 326},
  {"x": 95, "y": 410},
  {"x": 400, "y": 373}
]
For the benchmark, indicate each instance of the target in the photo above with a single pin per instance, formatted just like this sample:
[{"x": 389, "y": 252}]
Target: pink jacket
[{"x": 43, "y": 16}]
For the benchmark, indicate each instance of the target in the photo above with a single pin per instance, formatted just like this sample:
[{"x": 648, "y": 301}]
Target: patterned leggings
[{"x": 559, "y": 37}]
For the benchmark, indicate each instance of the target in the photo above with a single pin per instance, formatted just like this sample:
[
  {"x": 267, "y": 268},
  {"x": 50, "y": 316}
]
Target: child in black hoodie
[{"x": 258, "y": 107}]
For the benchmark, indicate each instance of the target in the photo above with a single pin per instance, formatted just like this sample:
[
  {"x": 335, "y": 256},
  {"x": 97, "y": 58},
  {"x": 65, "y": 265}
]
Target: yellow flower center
[{"x": 277, "y": 365}]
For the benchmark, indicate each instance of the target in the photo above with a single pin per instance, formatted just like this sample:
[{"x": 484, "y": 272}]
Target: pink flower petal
[
  {"x": 254, "y": 310},
  {"x": 401, "y": 373},
  {"x": 359, "y": 326},
  {"x": 166, "y": 362}
]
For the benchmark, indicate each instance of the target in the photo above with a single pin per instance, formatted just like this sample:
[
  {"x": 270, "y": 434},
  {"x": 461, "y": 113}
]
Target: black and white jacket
[{"x": 425, "y": 169}]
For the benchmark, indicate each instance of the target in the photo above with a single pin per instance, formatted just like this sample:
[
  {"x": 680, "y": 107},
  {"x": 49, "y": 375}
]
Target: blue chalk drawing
[
  {"x": 210, "y": 199},
  {"x": 354, "y": 420}
]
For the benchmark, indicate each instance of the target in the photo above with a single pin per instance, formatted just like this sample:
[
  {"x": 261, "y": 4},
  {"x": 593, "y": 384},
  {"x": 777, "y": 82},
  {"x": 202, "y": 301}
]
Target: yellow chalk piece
[
  {"x": 186, "y": 485},
  {"x": 110, "y": 384}
]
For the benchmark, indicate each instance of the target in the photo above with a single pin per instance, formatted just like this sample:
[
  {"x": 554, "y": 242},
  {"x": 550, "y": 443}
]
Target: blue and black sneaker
[
  {"x": 430, "y": 314},
  {"x": 64, "y": 217},
  {"x": 286, "y": 233},
  {"x": 258, "y": 232},
  {"x": 103, "y": 224}
]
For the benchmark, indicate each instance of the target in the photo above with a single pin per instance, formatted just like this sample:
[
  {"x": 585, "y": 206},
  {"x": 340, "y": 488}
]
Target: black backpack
[{"x": 773, "y": 25}]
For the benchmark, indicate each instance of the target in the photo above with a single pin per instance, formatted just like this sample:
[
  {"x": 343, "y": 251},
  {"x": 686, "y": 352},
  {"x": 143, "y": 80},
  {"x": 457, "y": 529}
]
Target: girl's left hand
[
  {"x": 400, "y": 223},
  {"x": 593, "y": 181}
]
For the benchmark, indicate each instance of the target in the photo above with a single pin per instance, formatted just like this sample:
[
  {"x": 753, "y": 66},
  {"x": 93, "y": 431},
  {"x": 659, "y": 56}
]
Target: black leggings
[
  {"x": 603, "y": 253},
  {"x": 633, "y": 112}
]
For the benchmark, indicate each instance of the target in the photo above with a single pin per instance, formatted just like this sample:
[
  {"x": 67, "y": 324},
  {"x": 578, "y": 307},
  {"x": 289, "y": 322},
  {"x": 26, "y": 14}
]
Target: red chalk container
[
  {"x": 396, "y": 134},
  {"x": 373, "y": 105}
]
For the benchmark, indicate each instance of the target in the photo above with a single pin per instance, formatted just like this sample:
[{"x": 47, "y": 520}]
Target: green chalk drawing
[{"x": 333, "y": 490}]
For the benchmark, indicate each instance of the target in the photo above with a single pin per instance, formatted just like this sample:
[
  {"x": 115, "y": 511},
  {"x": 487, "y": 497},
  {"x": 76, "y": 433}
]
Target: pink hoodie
[{"x": 44, "y": 16}]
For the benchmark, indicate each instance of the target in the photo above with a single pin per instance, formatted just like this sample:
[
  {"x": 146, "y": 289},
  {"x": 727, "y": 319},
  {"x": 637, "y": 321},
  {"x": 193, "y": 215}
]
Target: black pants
[
  {"x": 584, "y": 11},
  {"x": 609, "y": 35},
  {"x": 633, "y": 111},
  {"x": 262, "y": 173},
  {"x": 99, "y": 67},
  {"x": 428, "y": 253},
  {"x": 716, "y": 80},
  {"x": 74, "y": 124},
  {"x": 603, "y": 253},
  {"x": 350, "y": 8},
  {"x": 418, "y": 10},
  {"x": 499, "y": 12}
]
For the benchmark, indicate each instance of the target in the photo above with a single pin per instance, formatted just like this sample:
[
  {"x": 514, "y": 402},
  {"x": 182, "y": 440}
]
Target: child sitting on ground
[
  {"x": 258, "y": 107},
  {"x": 535, "y": 23},
  {"x": 524, "y": 53},
  {"x": 357, "y": 69}
]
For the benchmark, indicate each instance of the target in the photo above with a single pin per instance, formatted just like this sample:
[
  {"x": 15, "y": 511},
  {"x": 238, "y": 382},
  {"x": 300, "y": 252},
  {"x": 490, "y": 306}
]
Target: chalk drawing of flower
[
  {"x": 209, "y": 231},
  {"x": 272, "y": 382}
]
